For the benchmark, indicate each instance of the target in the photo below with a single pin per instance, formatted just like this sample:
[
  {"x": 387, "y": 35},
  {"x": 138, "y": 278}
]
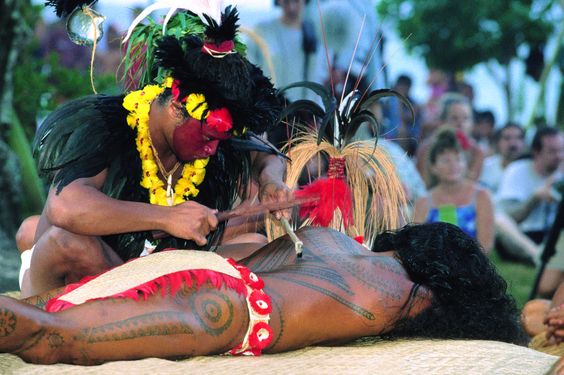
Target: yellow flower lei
[{"x": 138, "y": 103}]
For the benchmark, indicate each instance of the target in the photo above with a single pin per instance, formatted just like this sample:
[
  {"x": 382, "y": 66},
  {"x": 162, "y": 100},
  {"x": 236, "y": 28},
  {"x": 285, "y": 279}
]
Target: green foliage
[
  {"x": 40, "y": 85},
  {"x": 139, "y": 59},
  {"x": 10, "y": 185},
  {"x": 456, "y": 35}
]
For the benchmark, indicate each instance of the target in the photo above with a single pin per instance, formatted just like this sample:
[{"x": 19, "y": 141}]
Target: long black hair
[{"x": 470, "y": 299}]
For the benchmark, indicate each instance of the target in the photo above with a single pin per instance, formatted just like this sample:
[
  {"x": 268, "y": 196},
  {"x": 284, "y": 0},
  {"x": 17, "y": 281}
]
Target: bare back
[{"x": 337, "y": 291}]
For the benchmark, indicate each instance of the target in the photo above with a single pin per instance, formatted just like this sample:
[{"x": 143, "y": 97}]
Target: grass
[{"x": 519, "y": 277}]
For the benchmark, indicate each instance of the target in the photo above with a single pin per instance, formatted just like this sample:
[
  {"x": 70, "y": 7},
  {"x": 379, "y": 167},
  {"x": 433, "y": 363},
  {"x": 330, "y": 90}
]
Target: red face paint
[{"x": 196, "y": 140}]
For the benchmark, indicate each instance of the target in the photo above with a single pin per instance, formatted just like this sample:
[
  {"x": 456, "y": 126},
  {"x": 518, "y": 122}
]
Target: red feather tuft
[
  {"x": 359, "y": 239},
  {"x": 333, "y": 193}
]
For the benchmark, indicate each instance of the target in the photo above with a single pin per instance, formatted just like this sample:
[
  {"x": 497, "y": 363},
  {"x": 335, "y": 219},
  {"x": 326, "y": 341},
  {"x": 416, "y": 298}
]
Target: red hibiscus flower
[
  {"x": 250, "y": 278},
  {"x": 220, "y": 120},
  {"x": 260, "y": 302},
  {"x": 261, "y": 336},
  {"x": 175, "y": 90}
]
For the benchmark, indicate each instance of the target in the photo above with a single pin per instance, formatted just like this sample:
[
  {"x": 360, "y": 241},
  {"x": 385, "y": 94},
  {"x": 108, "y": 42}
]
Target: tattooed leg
[
  {"x": 21, "y": 325},
  {"x": 41, "y": 300},
  {"x": 206, "y": 321}
]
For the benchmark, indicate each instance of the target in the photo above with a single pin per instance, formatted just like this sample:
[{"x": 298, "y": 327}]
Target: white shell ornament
[{"x": 84, "y": 24}]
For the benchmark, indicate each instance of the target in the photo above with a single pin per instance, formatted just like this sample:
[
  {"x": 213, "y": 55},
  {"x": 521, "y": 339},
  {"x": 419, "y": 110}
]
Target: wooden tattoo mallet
[{"x": 262, "y": 208}]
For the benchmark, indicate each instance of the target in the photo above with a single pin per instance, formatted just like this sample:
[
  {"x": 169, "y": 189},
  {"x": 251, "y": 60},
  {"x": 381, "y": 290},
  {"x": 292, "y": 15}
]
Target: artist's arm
[
  {"x": 476, "y": 163},
  {"x": 485, "y": 228},
  {"x": 269, "y": 171},
  {"x": 82, "y": 208}
]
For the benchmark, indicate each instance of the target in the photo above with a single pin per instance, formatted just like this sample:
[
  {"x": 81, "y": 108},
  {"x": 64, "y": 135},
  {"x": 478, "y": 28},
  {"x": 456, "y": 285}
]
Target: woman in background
[{"x": 454, "y": 198}]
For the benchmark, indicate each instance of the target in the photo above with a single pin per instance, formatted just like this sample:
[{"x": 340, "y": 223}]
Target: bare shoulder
[{"x": 421, "y": 209}]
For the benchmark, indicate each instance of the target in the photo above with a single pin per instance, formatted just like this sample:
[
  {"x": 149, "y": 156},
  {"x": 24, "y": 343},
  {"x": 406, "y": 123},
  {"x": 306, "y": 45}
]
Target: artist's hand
[
  {"x": 191, "y": 221},
  {"x": 276, "y": 191},
  {"x": 554, "y": 319}
]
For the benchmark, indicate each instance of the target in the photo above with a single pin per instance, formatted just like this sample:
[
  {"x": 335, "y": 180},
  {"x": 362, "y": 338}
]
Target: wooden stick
[
  {"x": 298, "y": 244},
  {"x": 262, "y": 208}
]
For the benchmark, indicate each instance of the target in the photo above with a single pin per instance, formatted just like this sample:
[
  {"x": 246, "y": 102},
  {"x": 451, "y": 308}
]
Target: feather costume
[{"x": 88, "y": 135}]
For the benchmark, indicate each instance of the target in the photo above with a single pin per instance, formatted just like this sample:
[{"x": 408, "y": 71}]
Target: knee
[
  {"x": 66, "y": 249},
  {"x": 26, "y": 233}
]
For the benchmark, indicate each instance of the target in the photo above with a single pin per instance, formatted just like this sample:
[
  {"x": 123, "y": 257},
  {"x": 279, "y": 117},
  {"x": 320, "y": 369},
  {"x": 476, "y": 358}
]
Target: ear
[{"x": 175, "y": 108}]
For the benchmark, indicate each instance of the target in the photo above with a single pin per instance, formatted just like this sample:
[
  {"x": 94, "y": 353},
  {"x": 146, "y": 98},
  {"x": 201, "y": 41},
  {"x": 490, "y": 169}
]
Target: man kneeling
[{"x": 427, "y": 280}]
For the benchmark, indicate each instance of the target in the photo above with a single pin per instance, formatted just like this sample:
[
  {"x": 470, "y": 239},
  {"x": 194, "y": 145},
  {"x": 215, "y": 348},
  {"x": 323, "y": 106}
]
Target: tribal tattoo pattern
[
  {"x": 8, "y": 322},
  {"x": 316, "y": 269},
  {"x": 151, "y": 324},
  {"x": 213, "y": 310}
]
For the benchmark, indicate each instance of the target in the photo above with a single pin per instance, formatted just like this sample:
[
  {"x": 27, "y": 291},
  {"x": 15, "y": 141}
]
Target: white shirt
[
  {"x": 518, "y": 183},
  {"x": 492, "y": 171}
]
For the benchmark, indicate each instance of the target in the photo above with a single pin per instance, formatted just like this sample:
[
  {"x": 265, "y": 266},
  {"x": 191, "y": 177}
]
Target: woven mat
[
  {"x": 402, "y": 357},
  {"x": 142, "y": 270}
]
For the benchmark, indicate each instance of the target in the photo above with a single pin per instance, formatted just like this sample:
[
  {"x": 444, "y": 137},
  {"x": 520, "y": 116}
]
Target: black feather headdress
[
  {"x": 65, "y": 7},
  {"x": 213, "y": 68}
]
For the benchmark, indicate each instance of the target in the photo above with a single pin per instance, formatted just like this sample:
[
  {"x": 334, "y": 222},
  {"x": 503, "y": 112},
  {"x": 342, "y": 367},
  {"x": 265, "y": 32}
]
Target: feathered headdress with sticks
[
  {"x": 359, "y": 191},
  {"x": 203, "y": 56}
]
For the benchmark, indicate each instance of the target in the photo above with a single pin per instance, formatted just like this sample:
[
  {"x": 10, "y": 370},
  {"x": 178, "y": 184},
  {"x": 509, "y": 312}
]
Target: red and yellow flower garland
[{"x": 138, "y": 103}]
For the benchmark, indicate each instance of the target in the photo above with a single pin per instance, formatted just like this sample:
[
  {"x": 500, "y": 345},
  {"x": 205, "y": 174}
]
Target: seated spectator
[
  {"x": 403, "y": 126},
  {"x": 456, "y": 113},
  {"x": 511, "y": 244},
  {"x": 454, "y": 198},
  {"x": 509, "y": 143},
  {"x": 483, "y": 131},
  {"x": 527, "y": 193},
  {"x": 438, "y": 83}
]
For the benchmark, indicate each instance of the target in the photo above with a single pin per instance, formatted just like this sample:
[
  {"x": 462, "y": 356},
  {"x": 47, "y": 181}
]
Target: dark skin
[
  {"x": 67, "y": 238},
  {"x": 359, "y": 293}
]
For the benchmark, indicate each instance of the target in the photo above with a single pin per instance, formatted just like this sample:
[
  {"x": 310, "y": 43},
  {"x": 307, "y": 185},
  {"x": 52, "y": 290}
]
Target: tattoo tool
[
  {"x": 298, "y": 244},
  {"x": 262, "y": 208}
]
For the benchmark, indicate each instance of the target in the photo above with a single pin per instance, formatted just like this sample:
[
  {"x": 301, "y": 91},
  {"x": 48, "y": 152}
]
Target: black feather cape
[{"x": 87, "y": 135}]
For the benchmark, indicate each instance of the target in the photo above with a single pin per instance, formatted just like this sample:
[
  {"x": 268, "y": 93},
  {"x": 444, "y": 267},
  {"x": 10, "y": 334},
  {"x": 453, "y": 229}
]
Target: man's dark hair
[
  {"x": 486, "y": 116},
  {"x": 509, "y": 125},
  {"x": 469, "y": 298},
  {"x": 404, "y": 80},
  {"x": 546, "y": 131}
]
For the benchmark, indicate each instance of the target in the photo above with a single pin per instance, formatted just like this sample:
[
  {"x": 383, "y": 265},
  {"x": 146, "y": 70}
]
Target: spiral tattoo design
[{"x": 214, "y": 311}]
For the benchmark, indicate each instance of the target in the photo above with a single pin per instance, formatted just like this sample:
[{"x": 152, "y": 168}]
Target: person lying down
[{"x": 428, "y": 280}]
